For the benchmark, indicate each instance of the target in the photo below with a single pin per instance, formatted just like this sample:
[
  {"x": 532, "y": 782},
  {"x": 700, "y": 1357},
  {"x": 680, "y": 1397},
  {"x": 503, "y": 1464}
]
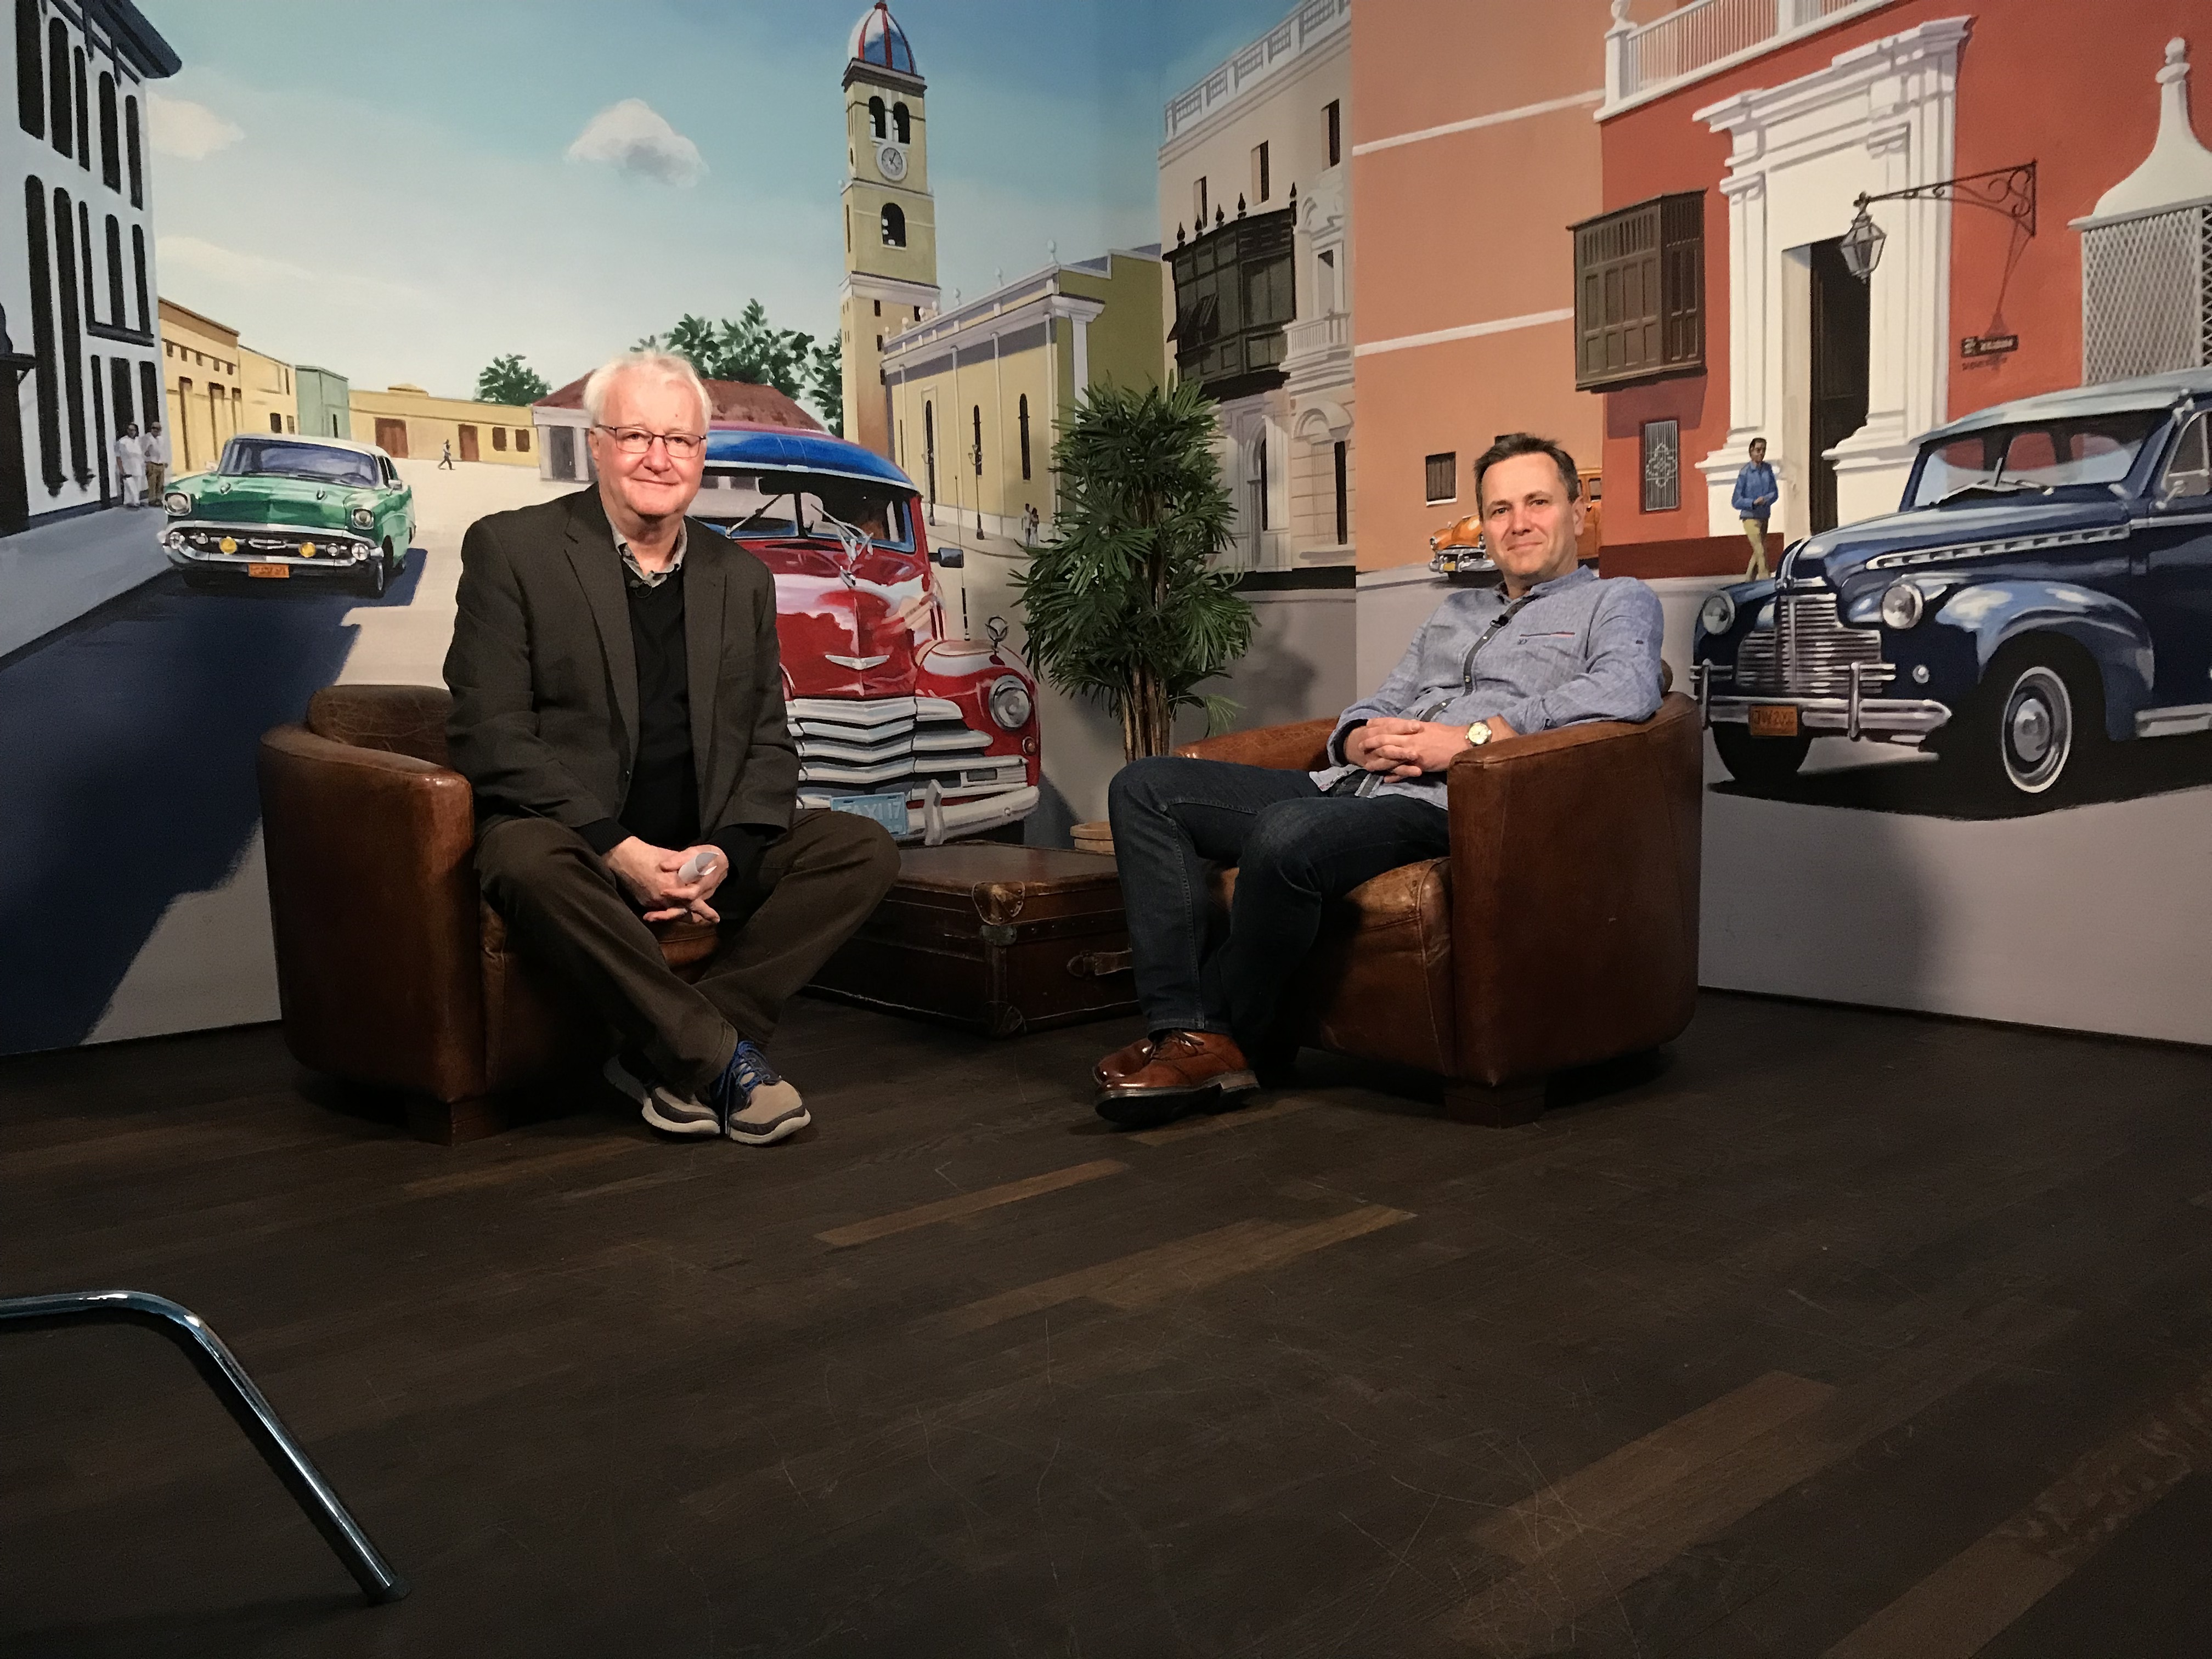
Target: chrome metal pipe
[{"x": 222, "y": 1373}]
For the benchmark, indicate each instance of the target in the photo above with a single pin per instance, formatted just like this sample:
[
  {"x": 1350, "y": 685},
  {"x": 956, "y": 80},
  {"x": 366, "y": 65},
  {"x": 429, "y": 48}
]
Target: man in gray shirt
[{"x": 1554, "y": 646}]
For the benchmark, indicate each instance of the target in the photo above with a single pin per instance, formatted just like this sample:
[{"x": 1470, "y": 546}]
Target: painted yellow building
[
  {"x": 977, "y": 393},
  {"x": 405, "y": 420},
  {"x": 890, "y": 219},
  {"x": 201, "y": 373},
  {"x": 272, "y": 404}
]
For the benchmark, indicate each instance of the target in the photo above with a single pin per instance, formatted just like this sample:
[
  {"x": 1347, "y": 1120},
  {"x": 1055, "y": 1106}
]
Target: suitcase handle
[{"x": 1098, "y": 964}]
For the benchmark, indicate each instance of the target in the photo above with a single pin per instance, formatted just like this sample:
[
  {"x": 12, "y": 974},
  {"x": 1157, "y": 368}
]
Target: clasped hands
[
  {"x": 650, "y": 874},
  {"x": 1400, "y": 748}
]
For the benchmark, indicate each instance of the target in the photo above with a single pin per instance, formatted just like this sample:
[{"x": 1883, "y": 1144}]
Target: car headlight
[
  {"x": 363, "y": 518},
  {"x": 1903, "y": 605},
  {"x": 1010, "y": 703},
  {"x": 1717, "y": 614},
  {"x": 177, "y": 502}
]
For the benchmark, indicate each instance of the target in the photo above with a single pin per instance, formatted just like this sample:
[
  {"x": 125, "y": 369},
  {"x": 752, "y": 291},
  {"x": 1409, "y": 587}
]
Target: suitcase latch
[{"x": 1098, "y": 964}]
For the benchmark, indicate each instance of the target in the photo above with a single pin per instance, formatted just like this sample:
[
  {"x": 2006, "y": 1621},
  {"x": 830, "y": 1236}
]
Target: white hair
[{"x": 661, "y": 365}]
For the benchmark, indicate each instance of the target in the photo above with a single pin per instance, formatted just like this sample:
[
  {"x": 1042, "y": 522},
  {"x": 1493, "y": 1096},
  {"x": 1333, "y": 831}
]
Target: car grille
[
  {"x": 1809, "y": 652},
  {"x": 880, "y": 744},
  {"x": 248, "y": 543}
]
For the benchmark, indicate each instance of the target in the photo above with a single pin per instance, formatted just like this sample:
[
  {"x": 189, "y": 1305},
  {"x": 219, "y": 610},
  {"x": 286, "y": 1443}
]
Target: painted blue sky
[{"x": 388, "y": 191}]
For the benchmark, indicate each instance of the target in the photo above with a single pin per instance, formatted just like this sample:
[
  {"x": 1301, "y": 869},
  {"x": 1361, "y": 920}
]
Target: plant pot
[{"x": 1094, "y": 838}]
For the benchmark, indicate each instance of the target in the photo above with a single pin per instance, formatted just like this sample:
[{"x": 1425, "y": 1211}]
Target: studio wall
[{"x": 1402, "y": 193}]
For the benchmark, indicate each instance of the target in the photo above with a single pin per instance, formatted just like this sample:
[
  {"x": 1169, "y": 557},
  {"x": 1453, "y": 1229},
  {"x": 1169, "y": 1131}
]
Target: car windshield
[
  {"x": 770, "y": 504},
  {"x": 2035, "y": 455},
  {"x": 244, "y": 457}
]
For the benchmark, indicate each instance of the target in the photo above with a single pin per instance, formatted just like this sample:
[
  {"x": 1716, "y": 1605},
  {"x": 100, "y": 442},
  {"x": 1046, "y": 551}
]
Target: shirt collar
[
  {"x": 646, "y": 578},
  {"x": 1575, "y": 578}
]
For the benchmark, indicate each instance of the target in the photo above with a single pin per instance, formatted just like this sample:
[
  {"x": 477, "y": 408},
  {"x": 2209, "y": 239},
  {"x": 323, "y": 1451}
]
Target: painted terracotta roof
[{"x": 734, "y": 400}]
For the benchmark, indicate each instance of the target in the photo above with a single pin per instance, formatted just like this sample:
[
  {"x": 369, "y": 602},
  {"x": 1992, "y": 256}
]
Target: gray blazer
[{"x": 544, "y": 678}]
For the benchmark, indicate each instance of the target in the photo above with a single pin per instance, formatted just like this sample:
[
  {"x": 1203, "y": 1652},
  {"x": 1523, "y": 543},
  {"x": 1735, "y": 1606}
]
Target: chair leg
[
  {"x": 1503, "y": 1107},
  {"x": 228, "y": 1378},
  {"x": 448, "y": 1123}
]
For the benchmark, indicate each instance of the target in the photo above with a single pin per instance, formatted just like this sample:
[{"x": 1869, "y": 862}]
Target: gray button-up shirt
[
  {"x": 653, "y": 578},
  {"x": 1580, "y": 649}
]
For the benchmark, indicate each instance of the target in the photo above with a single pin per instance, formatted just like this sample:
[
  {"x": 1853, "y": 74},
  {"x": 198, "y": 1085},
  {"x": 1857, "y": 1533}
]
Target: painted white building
[
  {"x": 1255, "y": 226},
  {"x": 77, "y": 308}
]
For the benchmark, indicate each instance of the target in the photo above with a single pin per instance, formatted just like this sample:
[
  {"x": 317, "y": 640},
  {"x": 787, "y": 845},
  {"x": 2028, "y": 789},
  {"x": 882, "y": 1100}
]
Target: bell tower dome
[{"x": 891, "y": 221}]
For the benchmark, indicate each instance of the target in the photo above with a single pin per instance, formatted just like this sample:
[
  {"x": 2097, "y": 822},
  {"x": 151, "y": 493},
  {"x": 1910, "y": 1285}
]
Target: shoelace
[{"x": 748, "y": 1070}]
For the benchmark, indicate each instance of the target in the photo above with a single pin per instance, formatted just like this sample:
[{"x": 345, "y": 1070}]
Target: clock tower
[{"x": 891, "y": 222}]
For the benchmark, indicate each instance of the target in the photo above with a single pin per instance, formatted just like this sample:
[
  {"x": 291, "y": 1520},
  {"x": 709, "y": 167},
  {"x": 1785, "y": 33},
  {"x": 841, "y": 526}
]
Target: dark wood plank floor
[{"x": 1843, "y": 1334}]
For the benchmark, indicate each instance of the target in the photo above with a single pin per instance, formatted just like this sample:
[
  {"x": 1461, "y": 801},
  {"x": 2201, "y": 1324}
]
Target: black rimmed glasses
[{"x": 635, "y": 441}]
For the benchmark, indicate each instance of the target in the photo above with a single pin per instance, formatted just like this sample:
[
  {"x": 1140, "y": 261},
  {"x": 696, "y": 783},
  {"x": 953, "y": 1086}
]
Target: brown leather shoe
[
  {"x": 1122, "y": 1061},
  {"x": 1187, "y": 1069}
]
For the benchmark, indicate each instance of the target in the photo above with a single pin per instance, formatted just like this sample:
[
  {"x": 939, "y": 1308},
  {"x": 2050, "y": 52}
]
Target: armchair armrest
[
  {"x": 1301, "y": 746},
  {"x": 1574, "y": 859},
  {"x": 372, "y": 897}
]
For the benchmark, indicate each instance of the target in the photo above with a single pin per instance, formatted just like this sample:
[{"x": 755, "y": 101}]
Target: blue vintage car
[{"x": 2045, "y": 586}]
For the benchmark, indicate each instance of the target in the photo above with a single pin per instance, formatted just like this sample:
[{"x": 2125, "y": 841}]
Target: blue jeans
[{"x": 1295, "y": 849}]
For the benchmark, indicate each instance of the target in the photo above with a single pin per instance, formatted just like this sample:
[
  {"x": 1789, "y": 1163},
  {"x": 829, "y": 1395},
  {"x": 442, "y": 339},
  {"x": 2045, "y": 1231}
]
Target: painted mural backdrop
[
  {"x": 355, "y": 277},
  {"x": 1948, "y": 264}
]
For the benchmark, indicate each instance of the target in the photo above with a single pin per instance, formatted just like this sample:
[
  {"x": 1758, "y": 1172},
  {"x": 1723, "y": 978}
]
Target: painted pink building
[{"x": 1715, "y": 303}]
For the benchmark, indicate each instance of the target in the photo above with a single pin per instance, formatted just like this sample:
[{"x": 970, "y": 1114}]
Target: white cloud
[
  {"x": 634, "y": 138},
  {"x": 191, "y": 131}
]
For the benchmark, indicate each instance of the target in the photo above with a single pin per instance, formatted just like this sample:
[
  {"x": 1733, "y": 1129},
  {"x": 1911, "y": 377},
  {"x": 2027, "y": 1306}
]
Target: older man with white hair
[{"x": 618, "y": 709}]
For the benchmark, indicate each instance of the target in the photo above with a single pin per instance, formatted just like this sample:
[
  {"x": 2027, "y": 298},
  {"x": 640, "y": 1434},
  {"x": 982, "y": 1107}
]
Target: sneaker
[
  {"x": 755, "y": 1105},
  {"x": 660, "y": 1105}
]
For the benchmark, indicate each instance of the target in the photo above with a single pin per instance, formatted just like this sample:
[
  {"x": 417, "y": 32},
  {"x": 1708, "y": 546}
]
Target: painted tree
[
  {"x": 748, "y": 347},
  {"x": 1124, "y": 606},
  {"x": 508, "y": 379}
]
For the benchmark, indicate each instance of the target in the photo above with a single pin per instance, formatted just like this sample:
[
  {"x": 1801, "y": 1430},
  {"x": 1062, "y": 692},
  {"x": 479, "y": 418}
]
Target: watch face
[{"x": 890, "y": 162}]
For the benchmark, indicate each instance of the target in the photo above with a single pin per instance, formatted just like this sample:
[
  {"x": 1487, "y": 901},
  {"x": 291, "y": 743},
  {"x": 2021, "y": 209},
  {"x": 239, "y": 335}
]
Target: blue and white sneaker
[
  {"x": 754, "y": 1104},
  {"x": 659, "y": 1104}
]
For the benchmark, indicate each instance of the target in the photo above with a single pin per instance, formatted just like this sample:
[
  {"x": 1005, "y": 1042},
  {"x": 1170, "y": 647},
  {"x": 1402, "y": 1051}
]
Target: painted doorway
[
  {"x": 469, "y": 443},
  {"x": 1841, "y": 318},
  {"x": 392, "y": 438}
]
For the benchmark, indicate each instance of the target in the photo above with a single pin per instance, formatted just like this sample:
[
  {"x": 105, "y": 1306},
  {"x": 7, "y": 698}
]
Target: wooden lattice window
[{"x": 1640, "y": 292}]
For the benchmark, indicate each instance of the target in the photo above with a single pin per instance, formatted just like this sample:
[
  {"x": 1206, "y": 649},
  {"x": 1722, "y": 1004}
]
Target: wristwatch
[{"x": 1480, "y": 733}]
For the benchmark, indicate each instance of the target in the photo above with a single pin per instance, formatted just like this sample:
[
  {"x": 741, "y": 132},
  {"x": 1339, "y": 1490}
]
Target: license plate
[
  {"x": 279, "y": 571},
  {"x": 889, "y": 810},
  {"x": 1769, "y": 720}
]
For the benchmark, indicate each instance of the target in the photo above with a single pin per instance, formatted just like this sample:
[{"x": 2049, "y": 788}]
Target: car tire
[
  {"x": 377, "y": 577},
  {"x": 2035, "y": 726},
  {"x": 1759, "y": 760}
]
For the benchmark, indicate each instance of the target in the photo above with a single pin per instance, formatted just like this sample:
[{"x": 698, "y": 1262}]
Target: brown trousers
[{"x": 818, "y": 883}]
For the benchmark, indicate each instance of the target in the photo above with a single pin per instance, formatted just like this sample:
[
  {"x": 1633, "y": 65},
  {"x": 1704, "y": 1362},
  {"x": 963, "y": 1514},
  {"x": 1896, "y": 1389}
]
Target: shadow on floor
[{"x": 131, "y": 738}]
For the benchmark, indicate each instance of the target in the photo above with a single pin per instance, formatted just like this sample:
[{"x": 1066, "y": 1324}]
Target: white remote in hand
[{"x": 696, "y": 865}]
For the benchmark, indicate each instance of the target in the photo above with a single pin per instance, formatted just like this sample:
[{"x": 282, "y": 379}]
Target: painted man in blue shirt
[
  {"x": 1754, "y": 502},
  {"x": 1552, "y": 647}
]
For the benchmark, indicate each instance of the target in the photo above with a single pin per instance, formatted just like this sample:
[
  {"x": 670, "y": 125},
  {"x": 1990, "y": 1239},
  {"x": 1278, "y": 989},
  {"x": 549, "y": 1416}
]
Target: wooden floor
[{"x": 1845, "y": 1334}]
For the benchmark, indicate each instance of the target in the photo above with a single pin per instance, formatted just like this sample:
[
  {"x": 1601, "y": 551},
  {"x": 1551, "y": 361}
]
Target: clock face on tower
[{"x": 890, "y": 162}]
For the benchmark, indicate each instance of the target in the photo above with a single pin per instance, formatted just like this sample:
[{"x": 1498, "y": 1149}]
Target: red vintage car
[{"x": 935, "y": 737}]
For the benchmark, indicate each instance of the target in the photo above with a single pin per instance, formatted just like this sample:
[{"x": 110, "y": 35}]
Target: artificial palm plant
[{"x": 1124, "y": 606}]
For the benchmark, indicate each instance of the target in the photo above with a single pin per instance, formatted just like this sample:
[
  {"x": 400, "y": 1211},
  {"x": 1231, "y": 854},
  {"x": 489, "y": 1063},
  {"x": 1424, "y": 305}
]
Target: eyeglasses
[{"x": 635, "y": 441}]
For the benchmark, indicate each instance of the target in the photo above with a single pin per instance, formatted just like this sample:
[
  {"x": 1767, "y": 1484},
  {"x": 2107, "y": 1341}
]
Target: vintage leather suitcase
[{"x": 995, "y": 938}]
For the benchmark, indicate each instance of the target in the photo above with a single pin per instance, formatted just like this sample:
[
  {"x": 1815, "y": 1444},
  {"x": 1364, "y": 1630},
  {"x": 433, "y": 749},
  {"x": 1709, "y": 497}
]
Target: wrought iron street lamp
[{"x": 2008, "y": 190}]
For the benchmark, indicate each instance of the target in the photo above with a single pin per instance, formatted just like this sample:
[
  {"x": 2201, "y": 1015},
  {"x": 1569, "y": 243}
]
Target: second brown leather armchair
[{"x": 1561, "y": 930}]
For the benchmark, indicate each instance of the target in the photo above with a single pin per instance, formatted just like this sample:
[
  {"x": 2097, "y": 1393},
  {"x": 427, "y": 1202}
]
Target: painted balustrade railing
[{"x": 1695, "y": 39}]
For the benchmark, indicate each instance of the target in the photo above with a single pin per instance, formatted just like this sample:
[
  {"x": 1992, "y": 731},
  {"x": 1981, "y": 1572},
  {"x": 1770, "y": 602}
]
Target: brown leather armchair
[
  {"x": 1561, "y": 930},
  {"x": 391, "y": 968}
]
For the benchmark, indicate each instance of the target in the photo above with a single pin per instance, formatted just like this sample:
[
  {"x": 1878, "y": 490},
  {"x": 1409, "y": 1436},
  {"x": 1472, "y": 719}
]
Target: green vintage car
[{"x": 278, "y": 508}]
